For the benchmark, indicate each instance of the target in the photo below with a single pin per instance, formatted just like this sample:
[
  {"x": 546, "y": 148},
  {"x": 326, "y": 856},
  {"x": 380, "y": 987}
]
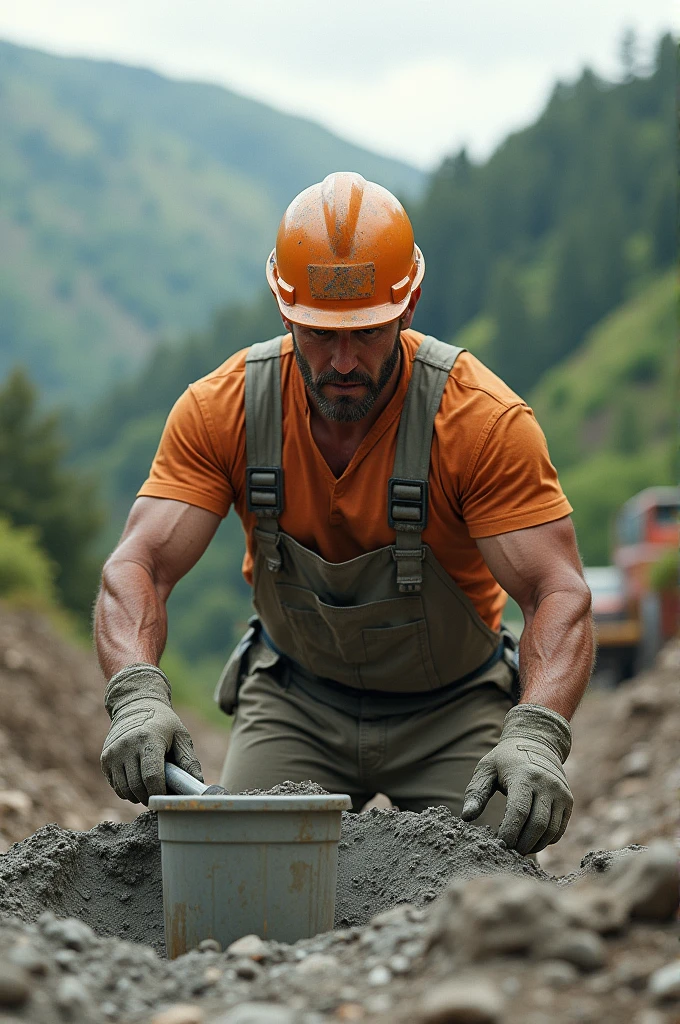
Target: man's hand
[
  {"x": 144, "y": 728},
  {"x": 526, "y": 765}
]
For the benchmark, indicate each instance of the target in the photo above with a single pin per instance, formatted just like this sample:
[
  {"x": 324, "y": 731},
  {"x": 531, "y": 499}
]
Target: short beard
[{"x": 345, "y": 409}]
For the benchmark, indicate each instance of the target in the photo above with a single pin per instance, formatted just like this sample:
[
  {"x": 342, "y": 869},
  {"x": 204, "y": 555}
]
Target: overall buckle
[
  {"x": 407, "y": 502},
  {"x": 264, "y": 490}
]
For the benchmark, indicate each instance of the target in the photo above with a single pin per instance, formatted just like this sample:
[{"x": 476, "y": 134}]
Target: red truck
[{"x": 636, "y": 608}]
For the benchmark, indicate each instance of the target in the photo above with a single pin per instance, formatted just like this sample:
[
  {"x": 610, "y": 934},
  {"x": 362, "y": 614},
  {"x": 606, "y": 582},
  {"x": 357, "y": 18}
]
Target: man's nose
[{"x": 344, "y": 358}]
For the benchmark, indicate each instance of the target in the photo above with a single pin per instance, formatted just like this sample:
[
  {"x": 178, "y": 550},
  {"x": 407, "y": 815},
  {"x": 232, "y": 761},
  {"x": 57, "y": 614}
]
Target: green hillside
[
  {"x": 610, "y": 412},
  {"x": 133, "y": 206},
  {"x": 559, "y": 227}
]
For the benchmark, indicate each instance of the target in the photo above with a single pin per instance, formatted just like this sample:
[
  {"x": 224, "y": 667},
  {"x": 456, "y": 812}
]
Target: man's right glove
[
  {"x": 526, "y": 765},
  {"x": 144, "y": 728}
]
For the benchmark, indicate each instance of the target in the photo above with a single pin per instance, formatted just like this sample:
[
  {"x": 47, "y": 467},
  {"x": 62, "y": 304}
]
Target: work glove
[
  {"x": 526, "y": 765},
  {"x": 144, "y": 729}
]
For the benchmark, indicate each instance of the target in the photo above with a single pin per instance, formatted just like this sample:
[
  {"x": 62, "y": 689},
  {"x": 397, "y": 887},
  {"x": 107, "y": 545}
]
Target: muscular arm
[
  {"x": 540, "y": 568},
  {"x": 162, "y": 541}
]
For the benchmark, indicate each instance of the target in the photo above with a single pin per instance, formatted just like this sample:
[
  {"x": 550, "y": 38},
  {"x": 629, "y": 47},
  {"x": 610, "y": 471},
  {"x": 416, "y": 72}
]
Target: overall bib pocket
[{"x": 382, "y": 645}]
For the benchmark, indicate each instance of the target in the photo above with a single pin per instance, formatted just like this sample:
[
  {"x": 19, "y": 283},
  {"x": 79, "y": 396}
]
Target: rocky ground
[{"x": 465, "y": 931}]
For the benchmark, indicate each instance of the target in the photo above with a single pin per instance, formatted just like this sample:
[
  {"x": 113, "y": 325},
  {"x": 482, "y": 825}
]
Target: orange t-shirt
[{"x": 490, "y": 471}]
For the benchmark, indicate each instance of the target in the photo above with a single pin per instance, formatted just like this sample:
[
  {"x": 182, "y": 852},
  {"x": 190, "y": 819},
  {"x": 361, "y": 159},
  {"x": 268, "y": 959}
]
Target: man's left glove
[
  {"x": 144, "y": 728},
  {"x": 526, "y": 765}
]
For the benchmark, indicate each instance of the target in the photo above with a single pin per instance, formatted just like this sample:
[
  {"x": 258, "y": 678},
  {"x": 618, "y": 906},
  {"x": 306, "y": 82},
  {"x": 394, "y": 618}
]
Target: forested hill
[
  {"x": 132, "y": 206},
  {"x": 566, "y": 221},
  {"x": 567, "y": 218}
]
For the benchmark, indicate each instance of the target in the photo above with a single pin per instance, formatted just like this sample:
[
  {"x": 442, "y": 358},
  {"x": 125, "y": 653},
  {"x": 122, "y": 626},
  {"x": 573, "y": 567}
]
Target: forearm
[
  {"x": 130, "y": 622},
  {"x": 556, "y": 652}
]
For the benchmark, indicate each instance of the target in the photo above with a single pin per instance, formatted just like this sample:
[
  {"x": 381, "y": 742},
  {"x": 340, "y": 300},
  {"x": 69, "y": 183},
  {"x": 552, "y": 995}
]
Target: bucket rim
[{"x": 300, "y": 803}]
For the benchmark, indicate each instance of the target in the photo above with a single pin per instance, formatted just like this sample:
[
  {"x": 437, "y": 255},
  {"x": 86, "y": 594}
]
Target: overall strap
[
  {"x": 407, "y": 493},
  {"x": 264, "y": 474}
]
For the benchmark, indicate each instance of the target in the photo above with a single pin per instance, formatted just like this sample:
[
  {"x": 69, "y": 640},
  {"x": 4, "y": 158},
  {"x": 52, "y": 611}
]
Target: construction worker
[{"x": 391, "y": 489}]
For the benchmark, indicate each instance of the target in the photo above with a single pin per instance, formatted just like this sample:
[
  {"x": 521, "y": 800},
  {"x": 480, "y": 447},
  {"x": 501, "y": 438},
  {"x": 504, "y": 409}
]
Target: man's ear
[
  {"x": 287, "y": 324},
  {"x": 407, "y": 315}
]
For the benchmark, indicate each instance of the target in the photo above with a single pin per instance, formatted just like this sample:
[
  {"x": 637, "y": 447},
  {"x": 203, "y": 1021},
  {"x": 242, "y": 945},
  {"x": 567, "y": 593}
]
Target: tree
[
  {"x": 37, "y": 490},
  {"x": 513, "y": 349}
]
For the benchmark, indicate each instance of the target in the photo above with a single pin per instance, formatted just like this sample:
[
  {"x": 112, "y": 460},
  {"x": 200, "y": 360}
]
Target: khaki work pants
[{"x": 286, "y": 729}]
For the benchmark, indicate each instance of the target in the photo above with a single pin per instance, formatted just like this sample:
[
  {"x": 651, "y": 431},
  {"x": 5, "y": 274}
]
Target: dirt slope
[
  {"x": 625, "y": 766},
  {"x": 52, "y": 726}
]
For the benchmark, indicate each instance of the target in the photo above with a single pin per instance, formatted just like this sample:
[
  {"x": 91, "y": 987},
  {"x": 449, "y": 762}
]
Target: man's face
[{"x": 345, "y": 371}]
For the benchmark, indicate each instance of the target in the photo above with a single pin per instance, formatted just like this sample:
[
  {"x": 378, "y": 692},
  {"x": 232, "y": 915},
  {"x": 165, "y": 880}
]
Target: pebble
[
  {"x": 636, "y": 762},
  {"x": 380, "y": 975},
  {"x": 247, "y": 969},
  {"x": 257, "y": 1013},
  {"x": 557, "y": 973},
  {"x": 318, "y": 963},
  {"x": 71, "y": 995},
  {"x": 583, "y": 949},
  {"x": 350, "y": 1011},
  {"x": 66, "y": 958},
  {"x": 71, "y": 933},
  {"x": 29, "y": 958},
  {"x": 379, "y": 1003},
  {"x": 180, "y": 1013},
  {"x": 651, "y": 1017},
  {"x": 210, "y": 946},
  {"x": 399, "y": 964},
  {"x": 664, "y": 984},
  {"x": 14, "y": 985},
  {"x": 248, "y": 945},
  {"x": 473, "y": 1001}
]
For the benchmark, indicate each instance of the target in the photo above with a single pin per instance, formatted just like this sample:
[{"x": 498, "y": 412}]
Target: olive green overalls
[{"x": 373, "y": 675}]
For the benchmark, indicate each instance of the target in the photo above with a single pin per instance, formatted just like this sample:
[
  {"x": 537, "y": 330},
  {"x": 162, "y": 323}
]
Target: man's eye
[
  {"x": 368, "y": 332},
  {"x": 320, "y": 333}
]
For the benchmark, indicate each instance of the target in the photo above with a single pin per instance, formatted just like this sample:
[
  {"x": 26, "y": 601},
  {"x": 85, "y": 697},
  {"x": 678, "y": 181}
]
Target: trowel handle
[{"x": 180, "y": 782}]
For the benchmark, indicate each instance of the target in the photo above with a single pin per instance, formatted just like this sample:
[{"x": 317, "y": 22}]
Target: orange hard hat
[{"x": 345, "y": 256}]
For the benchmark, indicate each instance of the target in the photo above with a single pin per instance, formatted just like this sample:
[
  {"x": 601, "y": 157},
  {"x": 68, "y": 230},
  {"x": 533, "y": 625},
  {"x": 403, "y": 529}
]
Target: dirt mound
[
  {"x": 110, "y": 877},
  {"x": 624, "y": 768},
  {"x": 495, "y": 948},
  {"x": 52, "y": 727}
]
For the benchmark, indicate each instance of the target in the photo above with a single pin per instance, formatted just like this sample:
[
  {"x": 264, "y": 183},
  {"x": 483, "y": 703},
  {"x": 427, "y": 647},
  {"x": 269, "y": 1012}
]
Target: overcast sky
[{"x": 411, "y": 78}]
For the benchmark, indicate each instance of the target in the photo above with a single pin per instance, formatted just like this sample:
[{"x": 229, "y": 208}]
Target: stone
[
  {"x": 378, "y": 1003},
  {"x": 399, "y": 964},
  {"x": 471, "y": 1001},
  {"x": 66, "y": 958},
  {"x": 318, "y": 963},
  {"x": 248, "y": 945},
  {"x": 664, "y": 984},
  {"x": 584, "y": 949},
  {"x": 650, "y": 1017},
  {"x": 643, "y": 886},
  {"x": 636, "y": 762},
  {"x": 15, "y": 801},
  {"x": 497, "y": 915},
  {"x": 71, "y": 995},
  {"x": 15, "y": 987},
  {"x": 557, "y": 973},
  {"x": 379, "y": 975},
  {"x": 247, "y": 969},
  {"x": 29, "y": 958},
  {"x": 71, "y": 933},
  {"x": 257, "y": 1013},
  {"x": 210, "y": 946},
  {"x": 651, "y": 882},
  {"x": 180, "y": 1013}
]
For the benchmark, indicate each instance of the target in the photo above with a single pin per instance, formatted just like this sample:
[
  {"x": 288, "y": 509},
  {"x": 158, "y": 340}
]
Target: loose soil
[{"x": 436, "y": 921}]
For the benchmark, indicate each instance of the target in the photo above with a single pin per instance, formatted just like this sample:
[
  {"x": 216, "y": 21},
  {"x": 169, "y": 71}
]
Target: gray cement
[{"x": 110, "y": 877}]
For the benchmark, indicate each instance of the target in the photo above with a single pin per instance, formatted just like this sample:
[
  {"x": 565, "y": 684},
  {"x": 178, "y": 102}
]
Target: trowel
[{"x": 181, "y": 783}]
